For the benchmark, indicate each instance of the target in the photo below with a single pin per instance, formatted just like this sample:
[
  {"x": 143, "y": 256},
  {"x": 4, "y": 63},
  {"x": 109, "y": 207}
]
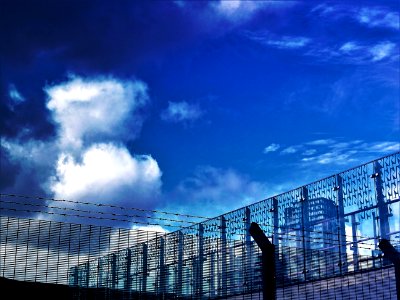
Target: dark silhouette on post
[
  {"x": 394, "y": 256},
  {"x": 267, "y": 261}
]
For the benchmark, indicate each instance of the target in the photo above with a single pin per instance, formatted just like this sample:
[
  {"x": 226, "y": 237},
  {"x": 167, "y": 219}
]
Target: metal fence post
[
  {"x": 200, "y": 261},
  {"x": 162, "y": 271},
  {"x": 267, "y": 263},
  {"x": 380, "y": 199},
  {"x": 128, "y": 279},
  {"x": 394, "y": 256},
  {"x": 341, "y": 225},
  {"x": 223, "y": 288},
  {"x": 180, "y": 265},
  {"x": 144, "y": 268}
]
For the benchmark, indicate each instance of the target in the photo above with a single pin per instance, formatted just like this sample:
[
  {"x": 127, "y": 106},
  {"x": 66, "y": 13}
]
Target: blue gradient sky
[{"x": 195, "y": 107}]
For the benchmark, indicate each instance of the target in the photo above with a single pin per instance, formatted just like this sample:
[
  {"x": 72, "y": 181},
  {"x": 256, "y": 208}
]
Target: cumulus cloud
[
  {"x": 88, "y": 160},
  {"x": 181, "y": 112},
  {"x": 106, "y": 171},
  {"x": 271, "y": 148},
  {"x": 90, "y": 109}
]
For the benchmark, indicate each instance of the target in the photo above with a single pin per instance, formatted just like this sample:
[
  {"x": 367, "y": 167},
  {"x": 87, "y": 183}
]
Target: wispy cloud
[
  {"x": 373, "y": 17},
  {"x": 280, "y": 42},
  {"x": 339, "y": 152},
  {"x": 271, "y": 148},
  {"x": 242, "y": 10},
  {"x": 321, "y": 142},
  {"x": 291, "y": 149},
  {"x": 382, "y": 50},
  {"x": 181, "y": 112},
  {"x": 15, "y": 95},
  {"x": 378, "y": 17}
]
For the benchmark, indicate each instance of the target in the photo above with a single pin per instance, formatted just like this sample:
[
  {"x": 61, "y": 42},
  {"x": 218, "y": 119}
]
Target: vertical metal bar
[
  {"x": 247, "y": 257},
  {"x": 144, "y": 268},
  {"x": 305, "y": 226},
  {"x": 355, "y": 244},
  {"x": 380, "y": 199},
  {"x": 162, "y": 273},
  {"x": 113, "y": 270},
  {"x": 267, "y": 262},
  {"x": 223, "y": 288},
  {"x": 179, "y": 276},
  {"x": 87, "y": 274},
  {"x": 341, "y": 225},
  {"x": 128, "y": 279},
  {"x": 200, "y": 261},
  {"x": 276, "y": 221},
  {"x": 212, "y": 274},
  {"x": 394, "y": 256}
]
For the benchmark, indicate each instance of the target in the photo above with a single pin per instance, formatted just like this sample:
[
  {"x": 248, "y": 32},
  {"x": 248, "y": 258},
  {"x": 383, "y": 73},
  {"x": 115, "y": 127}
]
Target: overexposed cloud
[
  {"x": 181, "y": 112},
  {"x": 107, "y": 173},
  {"x": 96, "y": 108},
  {"x": 88, "y": 159},
  {"x": 271, "y": 148}
]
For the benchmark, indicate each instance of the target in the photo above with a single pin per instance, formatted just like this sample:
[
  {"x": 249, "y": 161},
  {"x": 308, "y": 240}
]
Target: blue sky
[{"x": 193, "y": 107}]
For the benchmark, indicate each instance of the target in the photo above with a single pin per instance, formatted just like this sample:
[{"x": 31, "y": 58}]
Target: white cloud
[
  {"x": 290, "y": 150},
  {"x": 280, "y": 42},
  {"x": 287, "y": 42},
  {"x": 181, "y": 112},
  {"x": 321, "y": 142},
  {"x": 309, "y": 152},
  {"x": 108, "y": 173},
  {"x": 243, "y": 10},
  {"x": 88, "y": 160},
  {"x": 349, "y": 47},
  {"x": 366, "y": 16},
  {"x": 96, "y": 108},
  {"x": 151, "y": 228},
  {"x": 378, "y": 17},
  {"x": 271, "y": 148},
  {"x": 382, "y": 50}
]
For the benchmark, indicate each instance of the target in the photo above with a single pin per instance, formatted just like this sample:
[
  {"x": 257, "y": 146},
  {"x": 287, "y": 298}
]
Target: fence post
[
  {"x": 128, "y": 279},
  {"x": 223, "y": 291},
  {"x": 162, "y": 271},
  {"x": 180, "y": 264},
  {"x": 267, "y": 262},
  {"x": 394, "y": 256},
  {"x": 144, "y": 268},
  {"x": 380, "y": 199},
  {"x": 200, "y": 260},
  {"x": 341, "y": 226}
]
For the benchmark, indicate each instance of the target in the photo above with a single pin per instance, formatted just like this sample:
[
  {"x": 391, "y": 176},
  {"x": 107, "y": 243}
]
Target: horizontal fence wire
[{"x": 326, "y": 237}]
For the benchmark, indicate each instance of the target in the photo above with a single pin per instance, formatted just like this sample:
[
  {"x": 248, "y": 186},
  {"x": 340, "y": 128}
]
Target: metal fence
[{"x": 326, "y": 235}]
